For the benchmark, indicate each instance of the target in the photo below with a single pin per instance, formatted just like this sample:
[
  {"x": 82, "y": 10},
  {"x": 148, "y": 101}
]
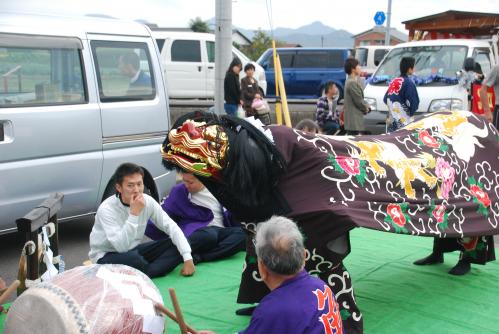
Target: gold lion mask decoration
[{"x": 197, "y": 148}]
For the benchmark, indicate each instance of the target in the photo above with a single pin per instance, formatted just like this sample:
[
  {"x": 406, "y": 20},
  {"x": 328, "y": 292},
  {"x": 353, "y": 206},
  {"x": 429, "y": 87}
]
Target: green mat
[{"x": 394, "y": 295}]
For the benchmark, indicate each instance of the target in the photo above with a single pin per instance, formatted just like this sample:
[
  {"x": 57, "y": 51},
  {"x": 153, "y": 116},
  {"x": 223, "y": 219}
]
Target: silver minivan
[{"x": 68, "y": 115}]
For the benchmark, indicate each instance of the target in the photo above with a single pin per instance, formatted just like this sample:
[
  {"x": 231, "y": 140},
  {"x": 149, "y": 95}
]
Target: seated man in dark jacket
[{"x": 208, "y": 227}]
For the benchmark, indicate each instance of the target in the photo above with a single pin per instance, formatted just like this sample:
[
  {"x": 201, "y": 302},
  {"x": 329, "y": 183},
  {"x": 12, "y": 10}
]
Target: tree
[
  {"x": 261, "y": 41},
  {"x": 198, "y": 25}
]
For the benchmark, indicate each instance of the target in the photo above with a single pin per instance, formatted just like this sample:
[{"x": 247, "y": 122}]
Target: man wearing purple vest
[
  {"x": 207, "y": 226},
  {"x": 298, "y": 302}
]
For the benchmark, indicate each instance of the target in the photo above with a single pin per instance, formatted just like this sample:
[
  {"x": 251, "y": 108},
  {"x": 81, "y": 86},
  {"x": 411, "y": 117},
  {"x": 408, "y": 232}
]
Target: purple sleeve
[
  {"x": 178, "y": 205},
  {"x": 186, "y": 214},
  {"x": 263, "y": 321}
]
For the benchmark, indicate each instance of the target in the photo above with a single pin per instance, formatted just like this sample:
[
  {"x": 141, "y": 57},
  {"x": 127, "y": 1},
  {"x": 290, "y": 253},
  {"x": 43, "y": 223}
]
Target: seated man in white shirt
[
  {"x": 209, "y": 228},
  {"x": 120, "y": 224}
]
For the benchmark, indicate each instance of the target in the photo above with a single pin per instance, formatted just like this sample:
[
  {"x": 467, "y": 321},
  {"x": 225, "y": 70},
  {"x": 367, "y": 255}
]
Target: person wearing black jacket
[{"x": 232, "y": 87}]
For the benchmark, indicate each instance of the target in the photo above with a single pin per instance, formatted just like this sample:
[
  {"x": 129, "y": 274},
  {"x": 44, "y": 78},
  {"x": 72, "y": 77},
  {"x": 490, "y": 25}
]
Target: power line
[{"x": 268, "y": 5}]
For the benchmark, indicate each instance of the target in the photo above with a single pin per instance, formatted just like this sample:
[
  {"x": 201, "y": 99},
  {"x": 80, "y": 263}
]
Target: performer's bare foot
[
  {"x": 433, "y": 258},
  {"x": 246, "y": 310},
  {"x": 461, "y": 268}
]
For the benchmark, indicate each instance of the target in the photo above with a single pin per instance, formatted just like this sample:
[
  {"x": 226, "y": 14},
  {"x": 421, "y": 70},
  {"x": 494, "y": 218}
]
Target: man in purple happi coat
[
  {"x": 209, "y": 228},
  {"x": 298, "y": 302}
]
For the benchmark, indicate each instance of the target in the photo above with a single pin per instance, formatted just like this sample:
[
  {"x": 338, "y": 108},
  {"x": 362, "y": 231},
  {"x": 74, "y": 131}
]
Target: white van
[
  {"x": 370, "y": 56},
  {"x": 444, "y": 58},
  {"x": 69, "y": 116},
  {"x": 189, "y": 63}
]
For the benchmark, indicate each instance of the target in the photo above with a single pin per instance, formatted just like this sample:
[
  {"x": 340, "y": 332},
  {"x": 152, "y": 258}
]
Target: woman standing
[
  {"x": 355, "y": 106},
  {"x": 249, "y": 90},
  {"x": 232, "y": 89}
]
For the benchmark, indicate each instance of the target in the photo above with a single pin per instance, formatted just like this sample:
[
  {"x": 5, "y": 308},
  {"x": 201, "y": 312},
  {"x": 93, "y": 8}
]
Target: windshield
[
  {"x": 361, "y": 56},
  {"x": 438, "y": 60}
]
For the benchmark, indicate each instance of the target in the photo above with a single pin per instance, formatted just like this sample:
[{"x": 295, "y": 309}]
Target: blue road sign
[{"x": 379, "y": 18}]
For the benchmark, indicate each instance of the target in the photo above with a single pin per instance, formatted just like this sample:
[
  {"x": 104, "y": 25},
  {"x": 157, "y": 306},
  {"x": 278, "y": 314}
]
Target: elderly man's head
[{"x": 280, "y": 250}]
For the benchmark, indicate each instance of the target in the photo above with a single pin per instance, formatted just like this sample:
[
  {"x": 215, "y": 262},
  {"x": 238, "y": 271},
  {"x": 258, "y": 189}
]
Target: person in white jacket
[{"x": 120, "y": 224}]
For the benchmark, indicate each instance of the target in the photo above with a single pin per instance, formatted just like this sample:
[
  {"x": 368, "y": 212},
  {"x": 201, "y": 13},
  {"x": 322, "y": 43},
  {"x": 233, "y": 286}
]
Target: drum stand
[{"x": 39, "y": 223}]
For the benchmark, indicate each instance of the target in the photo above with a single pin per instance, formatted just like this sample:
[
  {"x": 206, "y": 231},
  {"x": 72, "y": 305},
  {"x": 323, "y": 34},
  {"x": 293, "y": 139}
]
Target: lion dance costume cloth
[{"x": 438, "y": 177}]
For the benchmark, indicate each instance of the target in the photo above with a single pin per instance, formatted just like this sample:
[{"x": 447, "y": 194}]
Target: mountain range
[{"x": 315, "y": 34}]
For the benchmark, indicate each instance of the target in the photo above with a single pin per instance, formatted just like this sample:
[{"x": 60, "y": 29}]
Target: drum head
[{"x": 51, "y": 310}]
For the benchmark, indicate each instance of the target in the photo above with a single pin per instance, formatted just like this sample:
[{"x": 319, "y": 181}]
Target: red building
[{"x": 376, "y": 36}]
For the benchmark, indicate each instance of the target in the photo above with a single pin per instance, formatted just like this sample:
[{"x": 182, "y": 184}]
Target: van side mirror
[{"x": 376, "y": 62}]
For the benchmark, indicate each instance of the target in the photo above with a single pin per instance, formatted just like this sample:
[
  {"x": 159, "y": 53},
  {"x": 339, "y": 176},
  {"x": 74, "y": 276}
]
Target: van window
[
  {"x": 379, "y": 55},
  {"x": 34, "y": 75},
  {"x": 482, "y": 57},
  {"x": 210, "y": 50},
  {"x": 160, "y": 43},
  {"x": 361, "y": 56},
  {"x": 186, "y": 50},
  {"x": 285, "y": 57},
  {"x": 311, "y": 59},
  {"x": 123, "y": 71},
  {"x": 337, "y": 59}
]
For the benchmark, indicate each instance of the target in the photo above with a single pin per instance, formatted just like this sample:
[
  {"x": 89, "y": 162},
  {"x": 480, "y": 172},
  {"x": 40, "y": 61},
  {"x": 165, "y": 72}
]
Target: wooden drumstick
[
  {"x": 178, "y": 311},
  {"x": 9, "y": 291},
  {"x": 171, "y": 315}
]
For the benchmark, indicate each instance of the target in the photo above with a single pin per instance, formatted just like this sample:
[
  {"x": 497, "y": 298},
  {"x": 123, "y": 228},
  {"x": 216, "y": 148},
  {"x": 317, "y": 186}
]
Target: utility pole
[
  {"x": 388, "y": 18},
  {"x": 223, "y": 49}
]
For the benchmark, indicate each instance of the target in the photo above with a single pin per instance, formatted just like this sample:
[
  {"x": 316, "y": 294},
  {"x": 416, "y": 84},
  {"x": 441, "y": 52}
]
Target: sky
[{"x": 354, "y": 16}]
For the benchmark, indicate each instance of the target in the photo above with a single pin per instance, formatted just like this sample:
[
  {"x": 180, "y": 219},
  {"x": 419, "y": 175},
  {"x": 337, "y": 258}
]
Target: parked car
[
  {"x": 370, "y": 56},
  {"x": 189, "y": 63},
  {"x": 443, "y": 58},
  {"x": 306, "y": 70},
  {"x": 69, "y": 116}
]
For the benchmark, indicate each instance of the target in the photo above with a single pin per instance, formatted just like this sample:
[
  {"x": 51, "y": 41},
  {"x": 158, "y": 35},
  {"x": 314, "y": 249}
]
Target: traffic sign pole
[{"x": 389, "y": 16}]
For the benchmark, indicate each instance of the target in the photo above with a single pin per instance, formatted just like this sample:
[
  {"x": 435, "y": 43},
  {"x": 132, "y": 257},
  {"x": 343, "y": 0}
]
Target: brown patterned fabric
[{"x": 439, "y": 177}]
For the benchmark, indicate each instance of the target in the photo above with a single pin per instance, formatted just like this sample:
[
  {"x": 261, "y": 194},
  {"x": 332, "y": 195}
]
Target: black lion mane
[{"x": 252, "y": 172}]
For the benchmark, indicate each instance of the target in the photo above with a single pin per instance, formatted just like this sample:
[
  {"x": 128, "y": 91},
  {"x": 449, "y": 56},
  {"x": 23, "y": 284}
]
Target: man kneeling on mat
[{"x": 120, "y": 224}]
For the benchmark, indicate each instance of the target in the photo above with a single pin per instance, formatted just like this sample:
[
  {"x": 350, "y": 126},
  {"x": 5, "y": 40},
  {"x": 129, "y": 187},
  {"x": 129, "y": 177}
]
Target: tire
[{"x": 109, "y": 191}]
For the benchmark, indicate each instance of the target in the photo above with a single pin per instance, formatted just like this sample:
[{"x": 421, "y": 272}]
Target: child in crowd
[{"x": 327, "y": 115}]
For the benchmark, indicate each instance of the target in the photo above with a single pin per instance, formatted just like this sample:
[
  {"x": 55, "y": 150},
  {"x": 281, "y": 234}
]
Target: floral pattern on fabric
[
  {"x": 397, "y": 216},
  {"x": 429, "y": 178},
  {"x": 479, "y": 196},
  {"x": 446, "y": 175}
]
